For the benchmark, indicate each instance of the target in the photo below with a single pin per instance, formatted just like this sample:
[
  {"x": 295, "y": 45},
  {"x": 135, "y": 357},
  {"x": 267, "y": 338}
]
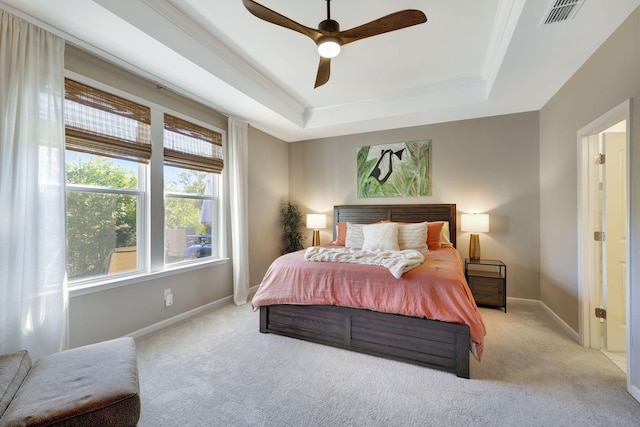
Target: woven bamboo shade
[
  {"x": 98, "y": 122},
  {"x": 190, "y": 146}
]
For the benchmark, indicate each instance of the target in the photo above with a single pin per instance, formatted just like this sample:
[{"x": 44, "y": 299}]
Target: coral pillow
[
  {"x": 342, "y": 233},
  {"x": 433, "y": 234}
]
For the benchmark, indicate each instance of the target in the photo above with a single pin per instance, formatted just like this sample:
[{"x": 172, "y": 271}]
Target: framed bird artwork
[{"x": 401, "y": 169}]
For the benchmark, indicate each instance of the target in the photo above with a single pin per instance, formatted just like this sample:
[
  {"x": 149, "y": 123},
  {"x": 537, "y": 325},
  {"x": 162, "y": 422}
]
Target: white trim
[
  {"x": 568, "y": 329},
  {"x": 634, "y": 391},
  {"x": 111, "y": 283},
  {"x": 526, "y": 301},
  {"x": 180, "y": 317}
]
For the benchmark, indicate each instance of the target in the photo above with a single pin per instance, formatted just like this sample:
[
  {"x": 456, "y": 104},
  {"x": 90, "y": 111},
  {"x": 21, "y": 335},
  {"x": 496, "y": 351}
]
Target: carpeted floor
[{"x": 216, "y": 369}]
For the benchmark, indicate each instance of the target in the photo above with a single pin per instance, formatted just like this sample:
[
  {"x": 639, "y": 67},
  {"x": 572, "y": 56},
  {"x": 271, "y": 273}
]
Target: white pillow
[
  {"x": 381, "y": 237},
  {"x": 354, "y": 237},
  {"x": 413, "y": 236},
  {"x": 444, "y": 235}
]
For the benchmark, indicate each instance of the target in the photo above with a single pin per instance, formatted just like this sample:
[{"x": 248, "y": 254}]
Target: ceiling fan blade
[
  {"x": 324, "y": 70},
  {"x": 273, "y": 17},
  {"x": 392, "y": 22}
]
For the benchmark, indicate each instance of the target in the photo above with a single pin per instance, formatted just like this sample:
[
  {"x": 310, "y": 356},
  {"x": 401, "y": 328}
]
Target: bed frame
[{"x": 431, "y": 343}]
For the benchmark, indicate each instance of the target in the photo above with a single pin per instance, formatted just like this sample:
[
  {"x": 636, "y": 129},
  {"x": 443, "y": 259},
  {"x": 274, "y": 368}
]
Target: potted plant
[{"x": 291, "y": 220}]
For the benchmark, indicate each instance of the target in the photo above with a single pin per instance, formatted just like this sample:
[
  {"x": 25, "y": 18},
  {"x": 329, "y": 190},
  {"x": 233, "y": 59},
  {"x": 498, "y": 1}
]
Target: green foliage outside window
[
  {"x": 180, "y": 211},
  {"x": 98, "y": 222}
]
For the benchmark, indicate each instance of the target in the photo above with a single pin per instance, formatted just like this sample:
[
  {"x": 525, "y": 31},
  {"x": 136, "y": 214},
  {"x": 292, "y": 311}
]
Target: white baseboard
[
  {"x": 180, "y": 317},
  {"x": 635, "y": 392},
  {"x": 568, "y": 329},
  {"x": 523, "y": 301}
]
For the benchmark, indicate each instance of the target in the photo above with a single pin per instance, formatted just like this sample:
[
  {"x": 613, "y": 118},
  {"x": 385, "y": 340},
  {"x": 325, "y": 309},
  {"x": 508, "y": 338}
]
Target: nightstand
[{"x": 487, "y": 279}]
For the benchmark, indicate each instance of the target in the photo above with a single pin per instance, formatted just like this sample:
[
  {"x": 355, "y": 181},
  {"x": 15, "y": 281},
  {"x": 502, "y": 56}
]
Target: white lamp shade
[
  {"x": 474, "y": 223},
  {"x": 316, "y": 221}
]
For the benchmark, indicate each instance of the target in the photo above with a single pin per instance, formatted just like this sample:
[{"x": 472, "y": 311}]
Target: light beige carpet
[{"x": 216, "y": 369}]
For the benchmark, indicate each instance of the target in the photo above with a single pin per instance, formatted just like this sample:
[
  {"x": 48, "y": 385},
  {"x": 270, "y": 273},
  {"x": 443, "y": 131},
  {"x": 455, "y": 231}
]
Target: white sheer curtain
[
  {"x": 33, "y": 297},
  {"x": 238, "y": 186}
]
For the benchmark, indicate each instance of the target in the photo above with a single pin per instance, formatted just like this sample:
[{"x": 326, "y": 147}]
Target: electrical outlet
[{"x": 168, "y": 298}]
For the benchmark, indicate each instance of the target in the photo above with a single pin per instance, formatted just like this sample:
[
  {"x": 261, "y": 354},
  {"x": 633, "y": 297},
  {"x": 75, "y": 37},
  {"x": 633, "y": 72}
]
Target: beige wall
[
  {"x": 120, "y": 311},
  {"x": 608, "y": 78},
  {"x": 116, "y": 312},
  {"x": 483, "y": 165},
  {"x": 268, "y": 189}
]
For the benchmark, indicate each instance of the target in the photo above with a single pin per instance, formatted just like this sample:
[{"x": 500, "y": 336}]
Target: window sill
[{"x": 107, "y": 284}]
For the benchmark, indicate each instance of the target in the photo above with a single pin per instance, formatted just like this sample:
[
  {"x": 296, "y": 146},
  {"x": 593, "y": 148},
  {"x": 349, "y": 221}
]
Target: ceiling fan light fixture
[{"x": 328, "y": 47}]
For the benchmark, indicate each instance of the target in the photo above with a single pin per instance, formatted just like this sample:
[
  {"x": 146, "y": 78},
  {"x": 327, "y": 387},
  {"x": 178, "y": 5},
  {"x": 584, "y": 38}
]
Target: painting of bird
[{"x": 399, "y": 169}]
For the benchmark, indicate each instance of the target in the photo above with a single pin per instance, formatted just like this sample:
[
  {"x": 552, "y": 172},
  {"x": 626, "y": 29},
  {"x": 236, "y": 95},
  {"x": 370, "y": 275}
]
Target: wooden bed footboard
[{"x": 431, "y": 343}]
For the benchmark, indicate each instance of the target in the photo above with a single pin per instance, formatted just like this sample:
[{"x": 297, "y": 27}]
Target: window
[
  {"x": 193, "y": 162},
  {"x": 108, "y": 141},
  {"x": 104, "y": 199}
]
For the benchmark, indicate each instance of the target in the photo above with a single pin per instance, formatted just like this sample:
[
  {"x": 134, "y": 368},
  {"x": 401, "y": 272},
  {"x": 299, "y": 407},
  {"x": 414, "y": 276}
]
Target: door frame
[{"x": 585, "y": 236}]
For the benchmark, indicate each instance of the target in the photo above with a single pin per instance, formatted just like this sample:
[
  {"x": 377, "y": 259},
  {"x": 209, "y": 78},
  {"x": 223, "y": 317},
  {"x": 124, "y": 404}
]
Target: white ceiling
[{"x": 471, "y": 59}]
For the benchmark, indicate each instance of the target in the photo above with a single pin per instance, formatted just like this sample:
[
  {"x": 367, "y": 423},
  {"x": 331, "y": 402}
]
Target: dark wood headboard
[{"x": 368, "y": 214}]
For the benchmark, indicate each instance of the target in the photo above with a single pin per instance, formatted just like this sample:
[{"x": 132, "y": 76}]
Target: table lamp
[
  {"x": 474, "y": 223},
  {"x": 316, "y": 221}
]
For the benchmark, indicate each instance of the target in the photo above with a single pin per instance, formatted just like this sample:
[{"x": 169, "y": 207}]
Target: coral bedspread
[{"x": 437, "y": 289}]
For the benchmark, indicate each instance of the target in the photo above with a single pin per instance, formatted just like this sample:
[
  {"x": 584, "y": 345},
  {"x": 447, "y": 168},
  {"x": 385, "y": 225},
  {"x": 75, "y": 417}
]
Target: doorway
[{"x": 603, "y": 219}]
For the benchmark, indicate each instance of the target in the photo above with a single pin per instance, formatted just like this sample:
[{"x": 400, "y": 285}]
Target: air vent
[{"x": 562, "y": 10}]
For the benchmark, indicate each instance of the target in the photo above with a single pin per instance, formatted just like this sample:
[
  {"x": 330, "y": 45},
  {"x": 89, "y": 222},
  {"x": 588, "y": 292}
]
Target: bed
[{"x": 414, "y": 338}]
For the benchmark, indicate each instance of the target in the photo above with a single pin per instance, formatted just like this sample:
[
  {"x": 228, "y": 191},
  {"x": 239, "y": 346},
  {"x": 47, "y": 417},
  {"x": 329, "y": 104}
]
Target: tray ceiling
[{"x": 471, "y": 59}]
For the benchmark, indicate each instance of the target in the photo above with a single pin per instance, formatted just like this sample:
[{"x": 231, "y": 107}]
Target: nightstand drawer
[
  {"x": 487, "y": 290},
  {"x": 487, "y": 279}
]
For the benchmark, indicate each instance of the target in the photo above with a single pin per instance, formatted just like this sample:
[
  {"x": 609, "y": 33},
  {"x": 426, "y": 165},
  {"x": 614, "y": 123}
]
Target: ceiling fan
[{"x": 328, "y": 36}]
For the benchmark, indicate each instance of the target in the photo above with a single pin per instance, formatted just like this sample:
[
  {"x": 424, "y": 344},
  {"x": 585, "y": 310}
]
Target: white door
[
  {"x": 595, "y": 254},
  {"x": 615, "y": 222},
  {"x": 603, "y": 200},
  {"x": 607, "y": 264}
]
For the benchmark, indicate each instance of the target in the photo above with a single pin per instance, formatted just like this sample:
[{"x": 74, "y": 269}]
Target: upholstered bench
[{"x": 95, "y": 385}]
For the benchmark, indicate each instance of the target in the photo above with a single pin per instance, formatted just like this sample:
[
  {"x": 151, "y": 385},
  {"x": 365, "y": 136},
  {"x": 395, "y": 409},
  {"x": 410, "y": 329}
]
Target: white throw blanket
[{"x": 398, "y": 262}]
